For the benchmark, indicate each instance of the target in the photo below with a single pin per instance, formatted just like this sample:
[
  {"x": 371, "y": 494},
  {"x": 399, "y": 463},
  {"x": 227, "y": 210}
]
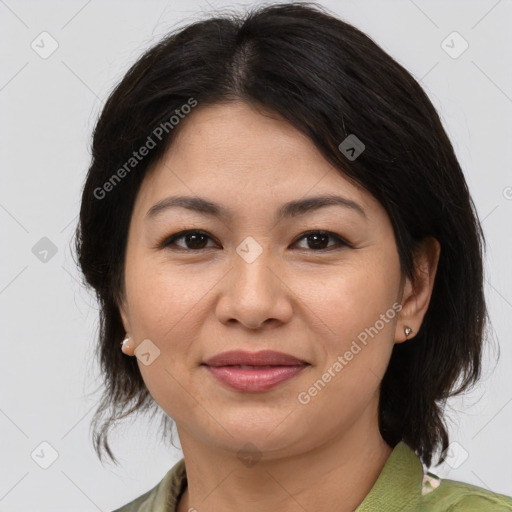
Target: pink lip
[
  {"x": 225, "y": 367},
  {"x": 256, "y": 379},
  {"x": 261, "y": 358}
]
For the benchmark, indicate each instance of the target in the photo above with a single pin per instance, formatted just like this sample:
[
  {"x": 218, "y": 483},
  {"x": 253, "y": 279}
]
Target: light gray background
[{"x": 48, "y": 321}]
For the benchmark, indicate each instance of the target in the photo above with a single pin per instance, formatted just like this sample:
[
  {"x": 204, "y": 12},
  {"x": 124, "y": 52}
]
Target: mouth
[
  {"x": 247, "y": 360},
  {"x": 253, "y": 372},
  {"x": 254, "y": 379},
  {"x": 253, "y": 367}
]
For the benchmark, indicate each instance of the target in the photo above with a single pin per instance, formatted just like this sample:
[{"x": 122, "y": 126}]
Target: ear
[
  {"x": 127, "y": 348},
  {"x": 416, "y": 296}
]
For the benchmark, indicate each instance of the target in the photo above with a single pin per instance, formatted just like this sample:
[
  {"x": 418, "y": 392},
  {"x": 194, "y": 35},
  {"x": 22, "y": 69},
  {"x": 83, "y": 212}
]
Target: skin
[{"x": 194, "y": 303}]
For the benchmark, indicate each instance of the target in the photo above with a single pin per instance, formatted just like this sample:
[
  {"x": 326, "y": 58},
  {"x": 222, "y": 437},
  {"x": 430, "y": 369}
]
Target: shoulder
[
  {"x": 454, "y": 496},
  {"x": 164, "y": 496},
  {"x": 138, "y": 504}
]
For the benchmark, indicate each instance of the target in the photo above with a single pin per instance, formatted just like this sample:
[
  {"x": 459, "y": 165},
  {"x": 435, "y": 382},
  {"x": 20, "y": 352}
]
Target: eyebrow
[{"x": 290, "y": 209}]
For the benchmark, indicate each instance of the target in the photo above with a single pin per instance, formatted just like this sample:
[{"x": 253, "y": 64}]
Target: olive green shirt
[{"x": 401, "y": 486}]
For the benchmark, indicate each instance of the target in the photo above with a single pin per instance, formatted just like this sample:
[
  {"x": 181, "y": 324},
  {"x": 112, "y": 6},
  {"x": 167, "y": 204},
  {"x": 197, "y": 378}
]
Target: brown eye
[
  {"x": 318, "y": 240},
  {"x": 194, "y": 240}
]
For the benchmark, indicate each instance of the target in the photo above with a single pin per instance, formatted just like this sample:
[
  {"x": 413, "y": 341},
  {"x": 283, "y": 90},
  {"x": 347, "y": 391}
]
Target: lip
[
  {"x": 255, "y": 380},
  {"x": 254, "y": 372},
  {"x": 261, "y": 358}
]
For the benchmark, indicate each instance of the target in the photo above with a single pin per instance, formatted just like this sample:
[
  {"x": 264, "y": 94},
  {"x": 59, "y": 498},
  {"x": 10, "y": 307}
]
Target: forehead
[{"x": 244, "y": 157}]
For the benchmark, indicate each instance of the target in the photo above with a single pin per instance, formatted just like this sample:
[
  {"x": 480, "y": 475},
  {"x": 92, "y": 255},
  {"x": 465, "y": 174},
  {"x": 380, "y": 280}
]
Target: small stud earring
[
  {"x": 408, "y": 331},
  {"x": 126, "y": 340}
]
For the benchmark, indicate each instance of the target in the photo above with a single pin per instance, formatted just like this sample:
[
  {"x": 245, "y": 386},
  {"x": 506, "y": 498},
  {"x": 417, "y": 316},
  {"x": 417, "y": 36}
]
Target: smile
[{"x": 254, "y": 379}]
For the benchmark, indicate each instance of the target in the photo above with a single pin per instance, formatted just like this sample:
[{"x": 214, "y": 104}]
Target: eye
[
  {"x": 195, "y": 240},
  {"x": 318, "y": 238},
  {"x": 193, "y": 237}
]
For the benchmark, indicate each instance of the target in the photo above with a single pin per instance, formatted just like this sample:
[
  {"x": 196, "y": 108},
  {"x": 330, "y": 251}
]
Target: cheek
[
  {"x": 356, "y": 305},
  {"x": 162, "y": 306},
  {"x": 162, "y": 298},
  {"x": 354, "y": 323}
]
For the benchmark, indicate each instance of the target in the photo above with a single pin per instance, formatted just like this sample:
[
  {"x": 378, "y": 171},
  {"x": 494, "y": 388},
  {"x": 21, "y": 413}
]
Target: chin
[{"x": 265, "y": 437}]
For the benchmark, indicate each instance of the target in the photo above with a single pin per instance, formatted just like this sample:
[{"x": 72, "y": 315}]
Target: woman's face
[{"x": 256, "y": 282}]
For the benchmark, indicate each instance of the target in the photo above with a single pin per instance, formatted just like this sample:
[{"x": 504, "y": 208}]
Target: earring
[
  {"x": 408, "y": 331},
  {"x": 126, "y": 340}
]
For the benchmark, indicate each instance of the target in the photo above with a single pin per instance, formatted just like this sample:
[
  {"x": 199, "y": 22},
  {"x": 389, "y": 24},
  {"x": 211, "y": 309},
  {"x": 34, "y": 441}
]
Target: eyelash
[{"x": 168, "y": 241}]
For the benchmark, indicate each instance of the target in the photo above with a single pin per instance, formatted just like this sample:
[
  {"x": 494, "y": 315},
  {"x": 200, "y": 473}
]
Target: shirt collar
[
  {"x": 170, "y": 489},
  {"x": 399, "y": 484}
]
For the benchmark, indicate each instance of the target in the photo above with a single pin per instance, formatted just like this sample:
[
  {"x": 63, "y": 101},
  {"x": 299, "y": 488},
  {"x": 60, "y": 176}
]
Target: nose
[{"x": 254, "y": 292}]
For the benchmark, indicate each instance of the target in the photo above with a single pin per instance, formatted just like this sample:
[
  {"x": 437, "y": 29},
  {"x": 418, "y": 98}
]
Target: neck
[{"x": 336, "y": 475}]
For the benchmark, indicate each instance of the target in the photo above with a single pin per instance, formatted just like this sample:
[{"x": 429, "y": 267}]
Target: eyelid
[
  {"x": 166, "y": 241},
  {"x": 342, "y": 242}
]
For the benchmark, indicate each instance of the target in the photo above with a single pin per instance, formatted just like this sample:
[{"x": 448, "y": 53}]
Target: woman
[{"x": 276, "y": 224}]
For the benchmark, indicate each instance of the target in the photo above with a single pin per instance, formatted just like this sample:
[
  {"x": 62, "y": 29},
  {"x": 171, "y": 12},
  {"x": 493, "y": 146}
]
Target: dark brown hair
[{"x": 329, "y": 80}]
